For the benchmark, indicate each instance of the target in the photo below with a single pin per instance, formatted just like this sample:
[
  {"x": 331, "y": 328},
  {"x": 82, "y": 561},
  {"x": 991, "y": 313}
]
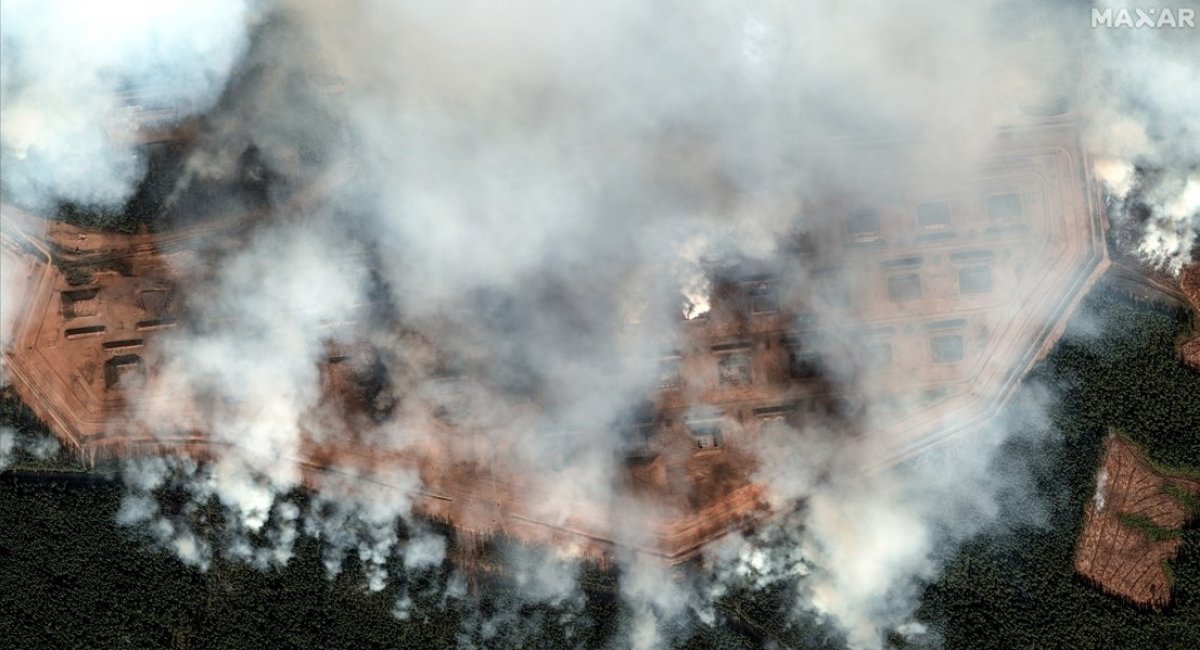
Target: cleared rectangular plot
[
  {"x": 975, "y": 279},
  {"x": 1004, "y": 206},
  {"x": 946, "y": 348},
  {"x": 934, "y": 215},
  {"x": 906, "y": 286}
]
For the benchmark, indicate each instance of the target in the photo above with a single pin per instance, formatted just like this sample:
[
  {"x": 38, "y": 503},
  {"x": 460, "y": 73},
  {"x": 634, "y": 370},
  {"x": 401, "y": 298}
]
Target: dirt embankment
[
  {"x": 1189, "y": 284},
  {"x": 1131, "y": 527}
]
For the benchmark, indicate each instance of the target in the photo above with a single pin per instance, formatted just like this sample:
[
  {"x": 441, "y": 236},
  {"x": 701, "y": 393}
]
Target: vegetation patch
[
  {"x": 1185, "y": 498},
  {"x": 1147, "y": 527},
  {"x": 1017, "y": 587}
]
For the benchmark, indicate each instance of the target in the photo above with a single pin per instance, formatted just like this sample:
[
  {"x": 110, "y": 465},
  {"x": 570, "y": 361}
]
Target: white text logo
[{"x": 1151, "y": 17}]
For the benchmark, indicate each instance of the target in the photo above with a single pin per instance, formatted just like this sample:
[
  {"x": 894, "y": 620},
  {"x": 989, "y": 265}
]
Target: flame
[
  {"x": 694, "y": 284},
  {"x": 695, "y": 302}
]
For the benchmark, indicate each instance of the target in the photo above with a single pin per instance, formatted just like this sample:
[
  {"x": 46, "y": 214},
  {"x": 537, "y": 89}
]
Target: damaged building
[{"x": 944, "y": 298}]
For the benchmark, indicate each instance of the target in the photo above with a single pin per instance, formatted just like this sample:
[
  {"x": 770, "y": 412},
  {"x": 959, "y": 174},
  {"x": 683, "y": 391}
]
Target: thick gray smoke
[
  {"x": 1143, "y": 92},
  {"x": 66, "y": 71},
  {"x": 519, "y": 182}
]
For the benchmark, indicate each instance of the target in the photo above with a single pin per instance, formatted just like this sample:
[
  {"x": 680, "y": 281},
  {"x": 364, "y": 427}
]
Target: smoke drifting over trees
[
  {"x": 65, "y": 68},
  {"x": 1142, "y": 88},
  {"x": 522, "y": 177}
]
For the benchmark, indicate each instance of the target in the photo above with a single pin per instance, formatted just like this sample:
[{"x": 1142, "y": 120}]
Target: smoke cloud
[
  {"x": 65, "y": 69},
  {"x": 15, "y": 445},
  {"x": 514, "y": 185},
  {"x": 8, "y": 443},
  {"x": 1141, "y": 93}
]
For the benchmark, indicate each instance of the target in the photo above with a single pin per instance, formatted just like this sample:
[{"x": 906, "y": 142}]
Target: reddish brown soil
[
  {"x": 1122, "y": 559},
  {"x": 1189, "y": 284},
  {"x": 81, "y": 352},
  {"x": 1190, "y": 352}
]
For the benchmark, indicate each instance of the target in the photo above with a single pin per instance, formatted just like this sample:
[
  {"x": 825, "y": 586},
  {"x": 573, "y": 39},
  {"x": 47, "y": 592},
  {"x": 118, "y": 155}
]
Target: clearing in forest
[{"x": 1131, "y": 526}]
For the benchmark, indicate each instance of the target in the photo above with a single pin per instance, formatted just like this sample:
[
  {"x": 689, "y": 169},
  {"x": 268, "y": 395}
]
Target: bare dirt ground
[
  {"x": 1131, "y": 526},
  {"x": 1189, "y": 284},
  {"x": 83, "y": 353}
]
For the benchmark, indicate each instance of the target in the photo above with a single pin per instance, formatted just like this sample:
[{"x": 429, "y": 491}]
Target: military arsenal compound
[{"x": 936, "y": 298}]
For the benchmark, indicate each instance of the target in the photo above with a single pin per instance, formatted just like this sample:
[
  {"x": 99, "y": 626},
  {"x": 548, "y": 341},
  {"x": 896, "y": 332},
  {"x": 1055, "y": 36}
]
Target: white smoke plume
[
  {"x": 8, "y": 443},
  {"x": 506, "y": 179},
  {"x": 65, "y": 69},
  {"x": 1142, "y": 94},
  {"x": 1173, "y": 227},
  {"x": 16, "y": 445}
]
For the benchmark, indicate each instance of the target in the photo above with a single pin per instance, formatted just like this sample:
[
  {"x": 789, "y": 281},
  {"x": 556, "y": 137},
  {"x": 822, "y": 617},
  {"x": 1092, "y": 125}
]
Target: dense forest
[
  {"x": 1018, "y": 589},
  {"x": 168, "y": 198},
  {"x": 143, "y": 210},
  {"x": 71, "y": 578}
]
